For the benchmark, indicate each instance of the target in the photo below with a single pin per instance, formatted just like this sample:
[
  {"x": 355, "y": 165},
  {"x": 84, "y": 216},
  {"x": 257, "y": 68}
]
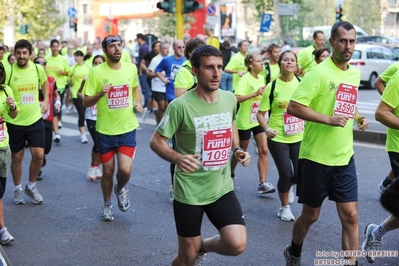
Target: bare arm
[
  {"x": 137, "y": 99},
  {"x": 240, "y": 155},
  {"x": 45, "y": 90},
  {"x": 92, "y": 100},
  {"x": 384, "y": 115},
  {"x": 179, "y": 92},
  {"x": 379, "y": 84},
  {"x": 162, "y": 77},
  {"x": 151, "y": 74},
  {"x": 143, "y": 67},
  {"x": 243, "y": 98}
]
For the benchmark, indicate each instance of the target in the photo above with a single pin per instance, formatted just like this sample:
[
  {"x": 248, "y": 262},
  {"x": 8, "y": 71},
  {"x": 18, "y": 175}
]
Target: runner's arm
[
  {"x": 187, "y": 163},
  {"x": 384, "y": 115},
  {"x": 239, "y": 154},
  {"x": 45, "y": 90},
  {"x": 92, "y": 100},
  {"x": 306, "y": 113},
  {"x": 137, "y": 99},
  {"x": 379, "y": 85}
]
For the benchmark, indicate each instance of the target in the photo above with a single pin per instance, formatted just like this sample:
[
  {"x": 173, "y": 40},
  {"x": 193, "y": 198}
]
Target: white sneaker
[
  {"x": 57, "y": 138},
  {"x": 59, "y": 124},
  {"x": 5, "y": 236},
  {"x": 91, "y": 174},
  {"x": 285, "y": 214},
  {"x": 145, "y": 113},
  {"x": 291, "y": 195},
  {"x": 98, "y": 172},
  {"x": 83, "y": 138}
]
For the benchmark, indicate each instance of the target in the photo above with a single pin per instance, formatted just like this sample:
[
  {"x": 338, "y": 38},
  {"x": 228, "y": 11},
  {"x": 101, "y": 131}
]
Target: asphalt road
[{"x": 66, "y": 228}]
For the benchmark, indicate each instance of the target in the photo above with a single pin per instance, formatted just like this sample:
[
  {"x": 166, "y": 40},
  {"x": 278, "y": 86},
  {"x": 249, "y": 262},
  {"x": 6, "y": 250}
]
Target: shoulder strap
[
  {"x": 271, "y": 97},
  {"x": 9, "y": 79},
  {"x": 268, "y": 73}
]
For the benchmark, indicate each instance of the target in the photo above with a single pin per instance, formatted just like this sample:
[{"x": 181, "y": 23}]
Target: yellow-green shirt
[
  {"x": 53, "y": 65},
  {"x": 115, "y": 114},
  {"x": 306, "y": 60},
  {"x": 236, "y": 63},
  {"x": 324, "y": 144},
  {"x": 246, "y": 116},
  {"x": 4, "y": 110},
  {"x": 24, "y": 83},
  {"x": 79, "y": 72},
  {"x": 389, "y": 72},
  {"x": 213, "y": 41},
  {"x": 391, "y": 97},
  {"x": 184, "y": 77}
]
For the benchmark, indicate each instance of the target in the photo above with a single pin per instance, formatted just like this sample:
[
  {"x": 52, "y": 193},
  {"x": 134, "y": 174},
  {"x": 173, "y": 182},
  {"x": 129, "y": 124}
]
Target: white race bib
[{"x": 216, "y": 147}]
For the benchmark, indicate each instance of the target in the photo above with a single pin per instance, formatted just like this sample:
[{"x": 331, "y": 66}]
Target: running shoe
[
  {"x": 291, "y": 195},
  {"x": 57, "y": 138},
  {"x": 18, "y": 199},
  {"x": 83, "y": 139},
  {"x": 199, "y": 259},
  {"x": 266, "y": 187},
  {"x": 33, "y": 194},
  {"x": 289, "y": 259},
  {"x": 39, "y": 176},
  {"x": 5, "y": 236},
  {"x": 370, "y": 243},
  {"x": 91, "y": 174},
  {"x": 285, "y": 214},
  {"x": 107, "y": 213},
  {"x": 98, "y": 172},
  {"x": 59, "y": 124},
  {"x": 145, "y": 113},
  {"x": 44, "y": 161},
  {"x": 171, "y": 195},
  {"x": 123, "y": 199},
  {"x": 381, "y": 187}
]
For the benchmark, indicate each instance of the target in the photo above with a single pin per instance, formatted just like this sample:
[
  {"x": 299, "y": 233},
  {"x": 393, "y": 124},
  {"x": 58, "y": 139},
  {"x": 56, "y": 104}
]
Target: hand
[
  {"x": 138, "y": 107},
  {"x": 57, "y": 107},
  {"x": 241, "y": 73},
  {"x": 105, "y": 89},
  {"x": 242, "y": 157},
  {"x": 261, "y": 90},
  {"x": 44, "y": 107},
  {"x": 189, "y": 163},
  {"x": 270, "y": 133},
  {"x": 166, "y": 81},
  {"x": 10, "y": 102},
  {"x": 60, "y": 72},
  {"x": 362, "y": 122},
  {"x": 338, "y": 120}
]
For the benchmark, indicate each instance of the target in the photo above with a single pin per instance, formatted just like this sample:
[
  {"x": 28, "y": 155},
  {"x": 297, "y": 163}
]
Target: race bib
[
  {"x": 118, "y": 97},
  {"x": 2, "y": 131},
  {"x": 93, "y": 110},
  {"x": 254, "y": 112},
  {"x": 27, "y": 98},
  {"x": 216, "y": 147},
  {"x": 345, "y": 100},
  {"x": 292, "y": 125}
]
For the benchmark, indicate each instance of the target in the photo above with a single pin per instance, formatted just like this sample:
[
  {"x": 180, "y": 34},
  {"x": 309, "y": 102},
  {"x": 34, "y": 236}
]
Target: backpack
[
  {"x": 191, "y": 72},
  {"x": 271, "y": 95}
]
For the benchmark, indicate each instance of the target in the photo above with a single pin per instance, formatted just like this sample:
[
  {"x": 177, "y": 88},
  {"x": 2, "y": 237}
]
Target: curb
[{"x": 374, "y": 137}]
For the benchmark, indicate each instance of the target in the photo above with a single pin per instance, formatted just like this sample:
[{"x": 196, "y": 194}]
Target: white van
[{"x": 307, "y": 32}]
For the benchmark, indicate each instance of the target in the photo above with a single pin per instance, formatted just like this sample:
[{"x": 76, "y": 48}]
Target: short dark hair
[
  {"x": 271, "y": 47},
  {"x": 191, "y": 44},
  {"x": 54, "y": 41},
  {"x": 344, "y": 24},
  {"x": 23, "y": 44},
  {"x": 140, "y": 36},
  {"x": 2, "y": 76},
  {"x": 317, "y": 53},
  {"x": 241, "y": 42},
  {"x": 203, "y": 51},
  {"x": 78, "y": 53},
  {"x": 2, "y": 48},
  {"x": 317, "y": 32},
  {"x": 99, "y": 56}
]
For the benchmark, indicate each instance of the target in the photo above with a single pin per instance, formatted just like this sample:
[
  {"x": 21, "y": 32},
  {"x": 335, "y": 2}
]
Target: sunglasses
[{"x": 180, "y": 47}]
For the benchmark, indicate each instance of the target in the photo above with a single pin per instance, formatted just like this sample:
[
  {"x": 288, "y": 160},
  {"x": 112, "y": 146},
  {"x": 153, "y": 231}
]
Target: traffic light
[
  {"x": 338, "y": 13},
  {"x": 75, "y": 24},
  {"x": 166, "y": 6},
  {"x": 190, "y": 6}
]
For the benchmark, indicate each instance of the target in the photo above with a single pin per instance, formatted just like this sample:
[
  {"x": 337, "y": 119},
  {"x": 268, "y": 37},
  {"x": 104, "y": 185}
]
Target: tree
[
  {"x": 365, "y": 14},
  {"x": 42, "y": 17},
  {"x": 164, "y": 24}
]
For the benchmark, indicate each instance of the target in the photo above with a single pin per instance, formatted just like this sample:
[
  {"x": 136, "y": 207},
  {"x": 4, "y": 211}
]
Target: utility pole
[{"x": 179, "y": 19}]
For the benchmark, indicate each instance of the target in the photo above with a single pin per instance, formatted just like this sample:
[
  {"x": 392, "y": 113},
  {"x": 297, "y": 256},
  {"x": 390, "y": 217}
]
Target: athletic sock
[
  {"x": 31, "y": 184},
  {"x": 296, "y": 249},
  {"x": 387, "y": 181},
  {"x": 108, "y": 203},
  {"x": 380, "y": 231},
  {"x": 18, "y": 187}
]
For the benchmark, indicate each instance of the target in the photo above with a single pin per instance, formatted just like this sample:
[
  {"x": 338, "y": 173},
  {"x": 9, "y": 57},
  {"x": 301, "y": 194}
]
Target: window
[
  {"x": 85, "y": 9},
  {"x": 356, "y": 54},
  {"x": 377, "y": 53},
  {"x": 388, "y": 54}
]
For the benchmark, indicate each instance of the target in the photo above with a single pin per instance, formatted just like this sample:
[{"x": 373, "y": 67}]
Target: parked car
[
  {"x": 371, "y": 60},
  {"x": 379, "y": 40}
]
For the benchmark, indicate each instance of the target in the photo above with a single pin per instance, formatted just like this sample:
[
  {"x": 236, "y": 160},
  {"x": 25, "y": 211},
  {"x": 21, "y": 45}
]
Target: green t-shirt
[
  {"x": 322, "y": 143},
  {"x": 203, "y": 129},
  {"x": 184, "y": 77},
  {"x": 115, "y": 114},
  {"x": 282, "y": 95},
  {"x": 125, "y": 57},
  {"x": 246, "y": 116},
  {"x": 79, "y": 72},
  {"x": 4, "y": 110},
  {"x": 89, "y": 61},
  {"x": 391, "y": 97},
  {"x": 236, "y": 63},
  {"x": 5, "y": 62},
  {"x": 389, "y": 72},
  {"x": 274, "y": 72},
  {"x": 55, "y": 64},
  {"x": 24, "y": 83},
  {"x": 306, "y": 59}
]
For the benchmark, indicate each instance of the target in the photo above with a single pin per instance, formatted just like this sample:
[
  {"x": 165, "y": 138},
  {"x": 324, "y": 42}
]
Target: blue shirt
[{"x": 170, "y": 65}]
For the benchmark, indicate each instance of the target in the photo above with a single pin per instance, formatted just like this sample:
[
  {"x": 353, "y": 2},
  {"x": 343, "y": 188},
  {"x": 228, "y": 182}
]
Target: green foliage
[
  {"x": 42, "y": 16},
  {"x": 365, "y": 14},
  {"x": 164, "y": 24}
]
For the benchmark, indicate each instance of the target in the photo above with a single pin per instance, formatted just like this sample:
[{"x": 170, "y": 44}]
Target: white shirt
[{"x": 156, "y": 83}]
